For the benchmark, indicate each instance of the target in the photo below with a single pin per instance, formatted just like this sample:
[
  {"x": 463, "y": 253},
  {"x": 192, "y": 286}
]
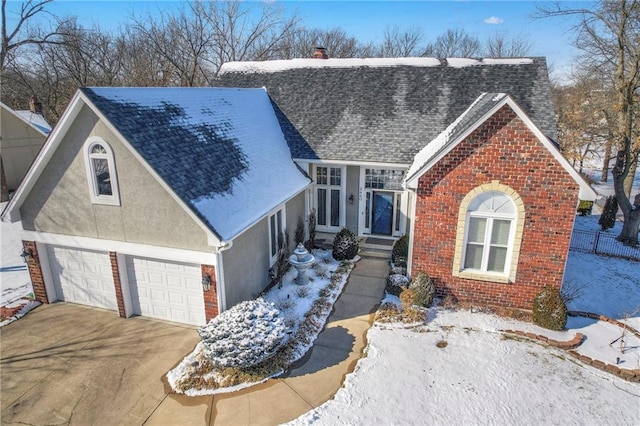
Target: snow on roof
[
  {"x": 36, "y": 120},
  {"x": 468, "y": 62},
  {"x": 220, "y": 150},
  {"x": 289, "y": 64},
  {"x": 442, "y": 140}
]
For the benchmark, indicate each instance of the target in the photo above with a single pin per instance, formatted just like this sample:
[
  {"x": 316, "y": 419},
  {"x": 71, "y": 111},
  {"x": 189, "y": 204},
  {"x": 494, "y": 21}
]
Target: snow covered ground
[
  {"x": 483, "y": 377},
  {"x": 14, "y": 278}
]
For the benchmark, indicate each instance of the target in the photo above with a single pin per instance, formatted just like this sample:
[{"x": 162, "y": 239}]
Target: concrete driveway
[{"x": 71, "y": 364}]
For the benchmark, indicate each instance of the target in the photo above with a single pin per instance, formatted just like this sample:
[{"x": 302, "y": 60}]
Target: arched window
[
  {"x": 490, "y": 225},
  {"x": 101, "y": 172},
  {"x": 489, "y": 234}
]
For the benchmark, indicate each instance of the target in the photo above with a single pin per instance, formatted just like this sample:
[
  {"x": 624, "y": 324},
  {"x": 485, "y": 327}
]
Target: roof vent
[{"x": 320, "y": 53}]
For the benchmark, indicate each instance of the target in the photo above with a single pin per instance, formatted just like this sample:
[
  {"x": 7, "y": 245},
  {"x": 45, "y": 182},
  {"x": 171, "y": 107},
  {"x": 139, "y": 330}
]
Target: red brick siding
[
  {"x": 35, "y": 272},
  {"x": 211, "y": 296},
  {"x": 502, "y": 149},
  {"x": 113, "y": 257}
]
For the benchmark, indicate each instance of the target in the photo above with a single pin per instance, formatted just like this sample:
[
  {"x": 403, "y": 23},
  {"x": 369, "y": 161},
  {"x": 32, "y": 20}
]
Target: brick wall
[
  {"x": 211, "y": 296},
  {"x": 35, "y": 272},
  {"x": 501, "y": 149},
  {"x": 113, "y": 257}
]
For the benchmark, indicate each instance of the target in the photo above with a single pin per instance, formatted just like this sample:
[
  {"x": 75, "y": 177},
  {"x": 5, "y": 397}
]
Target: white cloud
[{"x": 493, "y": 20}]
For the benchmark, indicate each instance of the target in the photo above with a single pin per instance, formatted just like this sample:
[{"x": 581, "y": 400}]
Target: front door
[{"x": 382, "y": 213}]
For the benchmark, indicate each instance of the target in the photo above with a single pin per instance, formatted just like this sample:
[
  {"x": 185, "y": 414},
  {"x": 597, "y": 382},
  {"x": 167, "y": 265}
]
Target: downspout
[{"x": 222, "y": 296}]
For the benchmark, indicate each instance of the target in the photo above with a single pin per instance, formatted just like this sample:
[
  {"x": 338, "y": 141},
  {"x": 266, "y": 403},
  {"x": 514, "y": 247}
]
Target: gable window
[
  {"x": 489, "y": 234},
  {"x": 101, "y": 172},
  {"x": 276, "y": 233}
]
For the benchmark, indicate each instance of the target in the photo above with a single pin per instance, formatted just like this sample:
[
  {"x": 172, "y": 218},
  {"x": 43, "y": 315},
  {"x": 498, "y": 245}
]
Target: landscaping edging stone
[{"x": 569, "y": 346}]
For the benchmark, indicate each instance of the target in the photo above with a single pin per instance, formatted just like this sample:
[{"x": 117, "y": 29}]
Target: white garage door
[
  {"x": 83, "y": 276},
  {"x": 166, "y": 290}
]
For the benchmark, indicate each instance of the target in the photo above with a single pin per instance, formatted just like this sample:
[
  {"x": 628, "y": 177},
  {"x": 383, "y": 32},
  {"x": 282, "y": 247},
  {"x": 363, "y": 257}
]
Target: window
[
  {"x": 101, "y": 172},
  {"x": 329, "y": 196},
  {"x": 276, "y": 233},
  {"x": 490, "y": 224},
  {"x": 383, "y": 179}
]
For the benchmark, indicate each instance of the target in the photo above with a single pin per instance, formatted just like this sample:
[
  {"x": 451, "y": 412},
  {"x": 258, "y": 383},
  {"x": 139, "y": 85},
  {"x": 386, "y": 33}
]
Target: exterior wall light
[
  {"x": 206, "y": 282},
  {"x": 26, "y": 255}
]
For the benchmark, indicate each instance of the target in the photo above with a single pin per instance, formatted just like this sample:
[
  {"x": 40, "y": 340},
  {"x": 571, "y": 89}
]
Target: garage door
[
  {"x": 166, "y": 290},
  {"x": 83, "y": 276}
]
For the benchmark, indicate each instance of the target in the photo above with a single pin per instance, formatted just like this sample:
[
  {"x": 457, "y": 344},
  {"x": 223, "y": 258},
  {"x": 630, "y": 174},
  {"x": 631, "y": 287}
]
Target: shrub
[
  {"x": 310, "y": 244},
  {"x": 608, "y": 216},
  {"x": 345, "y": 245},
  {"x": 298, "y": 236},
  {"x": 245, "y": 335},
  {"x": 585, "y": 207},
  {"x": 396, "y": 283},
  {"x": 549, "y": 309},
  {"x": 400, "y": 251},
  {"x": 423, "y": 288}
]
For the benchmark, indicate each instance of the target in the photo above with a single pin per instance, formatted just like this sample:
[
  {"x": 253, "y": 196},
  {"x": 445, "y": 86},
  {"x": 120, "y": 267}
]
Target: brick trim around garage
[
  {"x": 211, "y": 296},
  {"x": 113, "y": 257},
  {"x": 35, "y": 272}
]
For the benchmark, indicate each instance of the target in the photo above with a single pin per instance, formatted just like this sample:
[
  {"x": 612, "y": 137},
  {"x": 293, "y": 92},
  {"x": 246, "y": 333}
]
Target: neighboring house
[
  {"x": 22, "y": 134},
  {"x": 434, "y": 148},
  {"x": 143, "y": 198}
]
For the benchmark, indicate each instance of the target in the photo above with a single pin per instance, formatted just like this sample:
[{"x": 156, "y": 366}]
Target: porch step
[{"x": 377, "y": 253}]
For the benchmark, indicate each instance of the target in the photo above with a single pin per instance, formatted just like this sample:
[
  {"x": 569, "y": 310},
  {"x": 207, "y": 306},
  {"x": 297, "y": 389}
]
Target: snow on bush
[
  {"x": 345, "y": 245},
  {"x": 396, "y": 283},
  {"x": 245, "y": 335},
  {"x": 549, "y": 309}
]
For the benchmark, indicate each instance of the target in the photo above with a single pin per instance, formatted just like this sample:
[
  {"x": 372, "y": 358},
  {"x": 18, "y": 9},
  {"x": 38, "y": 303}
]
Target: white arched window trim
[
  {"x": 481, "y": 253},
  {"x": 101, "y": 172}
]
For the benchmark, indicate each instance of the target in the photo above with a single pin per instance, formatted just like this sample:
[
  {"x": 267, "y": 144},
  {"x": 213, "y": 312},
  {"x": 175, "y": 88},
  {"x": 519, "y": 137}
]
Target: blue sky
[{"x": 367, "y": 20}]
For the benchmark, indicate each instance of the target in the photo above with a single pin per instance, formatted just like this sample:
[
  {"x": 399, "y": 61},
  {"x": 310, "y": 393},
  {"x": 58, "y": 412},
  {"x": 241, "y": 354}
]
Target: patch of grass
[{"x": 442, "y": 344}]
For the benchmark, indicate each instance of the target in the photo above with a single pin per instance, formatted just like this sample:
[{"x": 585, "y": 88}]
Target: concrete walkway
[{"x": 312, "y": 381}]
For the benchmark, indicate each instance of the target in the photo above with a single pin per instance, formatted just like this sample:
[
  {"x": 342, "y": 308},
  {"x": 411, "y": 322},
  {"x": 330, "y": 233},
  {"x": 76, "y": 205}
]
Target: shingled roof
[
  {"x": 218, "y": 149},
  {"x": 386, "y": 110}
]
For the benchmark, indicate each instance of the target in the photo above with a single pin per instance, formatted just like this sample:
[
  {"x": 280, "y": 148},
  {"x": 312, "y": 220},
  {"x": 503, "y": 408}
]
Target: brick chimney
[
  {"x": 35, "y": 106},
  {"x": 320, "y": 53}
]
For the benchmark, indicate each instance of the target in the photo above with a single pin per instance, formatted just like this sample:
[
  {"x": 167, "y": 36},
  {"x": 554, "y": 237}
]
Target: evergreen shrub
[
  {"x": 549, "y": 309},
  {"x": 345, "y": 245},
  {"x": 423, "y": 288},
  {"x": 245, "y": 335},
  {"x": 608, "y": 216},
  {"x": 400, "y": 251}
]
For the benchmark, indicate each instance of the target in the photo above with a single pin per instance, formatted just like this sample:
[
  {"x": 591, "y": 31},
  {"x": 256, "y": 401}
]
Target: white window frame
[
  {"x": 96, "y": 197},
  {"x": 514, "y": 242},
  {"x": 486, "y": 243},
  {"x": 280, "y": 228},
  {"x": 328, "y": 187}
]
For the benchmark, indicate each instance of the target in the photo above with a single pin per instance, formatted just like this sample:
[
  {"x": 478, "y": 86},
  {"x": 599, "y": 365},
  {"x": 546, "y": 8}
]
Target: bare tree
[
  {"x": 22, "y": 33},
  {"x": 184, "y": 41},
  {"x": 241, "y": 33},
  {"x": 500, "y": 45},
  {"x": 583, "y": 127},
  {"x": 400, "y": 44},
  {"x": 609, "y": 37},
  {"x": 454, "y": 44},
  {"x": 302, "y": 44}
]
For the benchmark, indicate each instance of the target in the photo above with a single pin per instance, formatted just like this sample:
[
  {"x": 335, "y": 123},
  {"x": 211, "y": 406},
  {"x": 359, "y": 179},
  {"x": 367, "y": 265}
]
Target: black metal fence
[{"x": 602, "y": 243}]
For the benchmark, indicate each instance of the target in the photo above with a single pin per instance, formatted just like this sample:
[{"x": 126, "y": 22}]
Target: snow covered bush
[
  {"x": 245, "y": 335},
  {"x": 400, "y": 251},
  {"x": 396, "y": 283},
  {"x": 345, "y": 245},
  {"x": 549, "y": 309},
  {"x": 423, "y": 289}
]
